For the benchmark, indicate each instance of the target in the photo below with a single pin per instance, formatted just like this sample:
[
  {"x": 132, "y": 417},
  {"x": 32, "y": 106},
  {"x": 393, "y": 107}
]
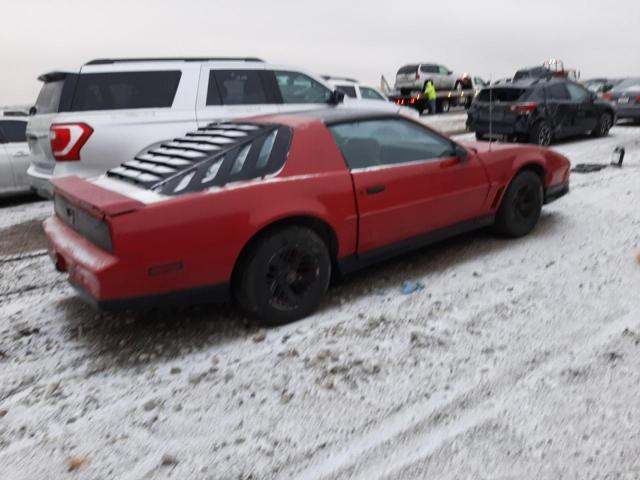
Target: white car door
[
  {"x": 16, "y": 153},
  {"x": 229, "y": 92},
  {"x": 7, "y": 182}
]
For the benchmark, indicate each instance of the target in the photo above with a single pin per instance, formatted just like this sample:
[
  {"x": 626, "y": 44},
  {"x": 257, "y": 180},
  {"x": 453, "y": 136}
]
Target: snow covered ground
[{"x": 519, "y": 359}]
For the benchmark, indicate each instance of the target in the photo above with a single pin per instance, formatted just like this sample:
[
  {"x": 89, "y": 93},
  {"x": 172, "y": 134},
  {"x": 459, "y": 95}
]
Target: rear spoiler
[
  {"x": 94, "y": 199},
  {"x": 54, "y": 76}
]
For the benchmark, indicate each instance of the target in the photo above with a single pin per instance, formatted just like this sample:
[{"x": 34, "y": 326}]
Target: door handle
[
  {"x": 375, "y": 189},
  {"x": 20, "y": 154}
]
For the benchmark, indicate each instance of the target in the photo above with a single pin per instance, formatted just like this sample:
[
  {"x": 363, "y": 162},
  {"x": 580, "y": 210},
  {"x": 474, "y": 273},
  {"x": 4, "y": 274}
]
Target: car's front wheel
[
  {"x": 605, "y": 122},
  {"x": 284, "y": 276},
  {"x": 521, "y": 205}
]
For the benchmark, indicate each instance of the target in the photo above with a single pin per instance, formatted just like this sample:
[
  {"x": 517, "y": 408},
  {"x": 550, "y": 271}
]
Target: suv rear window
[
  {"x": 501, "y": 94},
  {"x": 125, "y": 90},
  {"x": 49, "y": 97},
  {"x": 408, "y": 69}
]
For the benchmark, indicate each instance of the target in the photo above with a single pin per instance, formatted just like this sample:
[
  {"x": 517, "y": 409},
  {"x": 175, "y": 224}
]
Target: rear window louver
[{"x": 212, "y": 156}]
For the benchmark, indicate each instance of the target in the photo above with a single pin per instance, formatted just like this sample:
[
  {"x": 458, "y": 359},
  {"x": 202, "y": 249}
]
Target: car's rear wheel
[
  {"x": 521, "y": 205},
  {"x": 605, "y": 122},
  {"x": 541, "y": 134},
  {"x": 284, "y": 276}
]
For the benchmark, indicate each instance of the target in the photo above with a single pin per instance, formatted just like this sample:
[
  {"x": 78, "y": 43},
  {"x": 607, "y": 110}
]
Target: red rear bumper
[
  {"x": 90, "y": 269},
  {"x": 111, "y": 283}
]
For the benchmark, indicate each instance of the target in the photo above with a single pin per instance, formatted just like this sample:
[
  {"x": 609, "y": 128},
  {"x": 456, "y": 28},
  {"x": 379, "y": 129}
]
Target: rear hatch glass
[
  {"x": 48, "y": 99},
  {"x": 407, "y": 71},
  {"x": 502, "y": 94}
]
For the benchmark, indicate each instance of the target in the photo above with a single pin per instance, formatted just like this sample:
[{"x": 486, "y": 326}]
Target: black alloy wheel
[
  {"x": 284, "y": 276},
  {"x": 521, "y": 205},
  {"x": 541, "y": 134},
  {"x": 605, "y": 122}
]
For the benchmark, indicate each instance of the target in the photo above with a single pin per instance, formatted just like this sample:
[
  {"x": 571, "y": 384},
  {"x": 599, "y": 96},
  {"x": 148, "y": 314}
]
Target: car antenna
[{"x": 490, "y": 110}]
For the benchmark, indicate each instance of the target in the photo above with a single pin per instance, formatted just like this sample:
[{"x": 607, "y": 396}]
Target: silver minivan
[
  {"x": 86, "y": 122},
  {"x": 414, "y": 77}
]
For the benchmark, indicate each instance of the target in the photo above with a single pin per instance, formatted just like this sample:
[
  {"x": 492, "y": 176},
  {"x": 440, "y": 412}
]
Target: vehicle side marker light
[{"x": 165, "y": 269}]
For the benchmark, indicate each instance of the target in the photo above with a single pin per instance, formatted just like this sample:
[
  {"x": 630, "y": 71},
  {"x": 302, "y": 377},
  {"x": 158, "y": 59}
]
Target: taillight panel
[
  {"x": 67, "y": 139},
  {"x": 523, "y": 108}
]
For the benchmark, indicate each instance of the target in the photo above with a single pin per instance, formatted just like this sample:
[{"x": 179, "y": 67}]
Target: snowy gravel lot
[{"x": 518, "y": 360}]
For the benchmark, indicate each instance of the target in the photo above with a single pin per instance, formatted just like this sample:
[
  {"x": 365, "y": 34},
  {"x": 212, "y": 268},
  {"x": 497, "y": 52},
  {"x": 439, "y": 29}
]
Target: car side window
[
  {"x": 370, "y": 143},
  {"x": 577, "y": 93},
  {"x": 557, "y": 91},
  {"x": 429, "y": 69},
  {"x": 237, "y": 87},
  {"x": 296, "y": 87},
  {"x": 13, "y": 131},
  {"x": 443, "y": 70},
  {"x": 370, "y": 94},
  {"x": 348, "y": 90}
]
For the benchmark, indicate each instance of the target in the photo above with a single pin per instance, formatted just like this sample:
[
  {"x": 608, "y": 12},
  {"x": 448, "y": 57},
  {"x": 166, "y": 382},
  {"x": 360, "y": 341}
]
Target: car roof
[{"x": 328, "y": 116}]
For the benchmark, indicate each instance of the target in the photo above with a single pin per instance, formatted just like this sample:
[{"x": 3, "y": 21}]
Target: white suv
[{"x": 86, "y": 122}]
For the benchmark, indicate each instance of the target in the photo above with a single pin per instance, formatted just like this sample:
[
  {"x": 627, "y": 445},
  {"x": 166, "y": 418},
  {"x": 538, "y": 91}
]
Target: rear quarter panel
[{"x": 206, "y": 231}]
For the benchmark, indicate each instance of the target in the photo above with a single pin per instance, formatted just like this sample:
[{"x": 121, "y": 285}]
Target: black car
[
  {"x": 626, "y": 99},
  {"x": 539, "y": 111}
]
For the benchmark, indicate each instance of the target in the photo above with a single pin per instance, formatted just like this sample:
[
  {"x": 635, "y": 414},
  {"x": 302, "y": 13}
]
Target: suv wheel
[
  {"x": 605, "y": 122},
  {"x": 541, "y": 134},
  {"x": 284, "y": 277},
  {"x": 521, "y": 206}
]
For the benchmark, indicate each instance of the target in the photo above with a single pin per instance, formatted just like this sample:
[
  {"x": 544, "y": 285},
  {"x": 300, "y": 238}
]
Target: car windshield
[{"x": 631, "y": 84}]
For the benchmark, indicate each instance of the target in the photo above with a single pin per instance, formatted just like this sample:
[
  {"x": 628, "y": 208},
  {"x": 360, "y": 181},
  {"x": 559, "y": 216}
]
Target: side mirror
[
  {"x": 460, "y": 152},
  {"x": 337, "y": 97},
  {"x": 32, "y": 111}
]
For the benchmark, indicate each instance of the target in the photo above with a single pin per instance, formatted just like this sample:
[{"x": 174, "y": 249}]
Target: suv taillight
[
  {"x": 67, "y": 139},
  {"x": 608, "y": 97},
  {"x": 418, "y": 74},
  {"x": 525, "y": 108}
]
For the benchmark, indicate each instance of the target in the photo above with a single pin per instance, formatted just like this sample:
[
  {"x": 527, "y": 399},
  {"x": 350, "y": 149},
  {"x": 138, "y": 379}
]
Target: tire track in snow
[{"x": 410, "y": 433}]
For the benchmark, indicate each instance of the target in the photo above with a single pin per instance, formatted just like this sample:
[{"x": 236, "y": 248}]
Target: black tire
[
  {"x": 480, "y": 136},
  {"x": 541, "y": 134},
  {"x": 520, "y": 209},
  {"x": 605, "y": 122},
  {"x": 284, "y": 276}
]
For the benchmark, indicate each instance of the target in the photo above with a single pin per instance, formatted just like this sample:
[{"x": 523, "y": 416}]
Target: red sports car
[{"x": 264, "y": 211}]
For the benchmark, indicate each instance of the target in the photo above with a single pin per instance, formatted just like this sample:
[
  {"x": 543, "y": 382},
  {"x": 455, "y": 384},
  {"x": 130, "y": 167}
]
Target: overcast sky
[{"x": 363, "y": 39}]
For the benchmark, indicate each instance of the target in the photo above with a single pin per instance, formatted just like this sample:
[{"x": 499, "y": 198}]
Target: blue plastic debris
[{"x": 411, "y": 287}]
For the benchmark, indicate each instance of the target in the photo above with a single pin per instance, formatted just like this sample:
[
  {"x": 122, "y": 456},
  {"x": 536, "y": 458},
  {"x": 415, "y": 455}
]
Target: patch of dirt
[{"x": 22, "y": 238}]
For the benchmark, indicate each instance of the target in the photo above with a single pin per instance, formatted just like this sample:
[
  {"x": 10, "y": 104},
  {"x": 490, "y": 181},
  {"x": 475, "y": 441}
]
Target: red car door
[{"x": 407, "y": 180}]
